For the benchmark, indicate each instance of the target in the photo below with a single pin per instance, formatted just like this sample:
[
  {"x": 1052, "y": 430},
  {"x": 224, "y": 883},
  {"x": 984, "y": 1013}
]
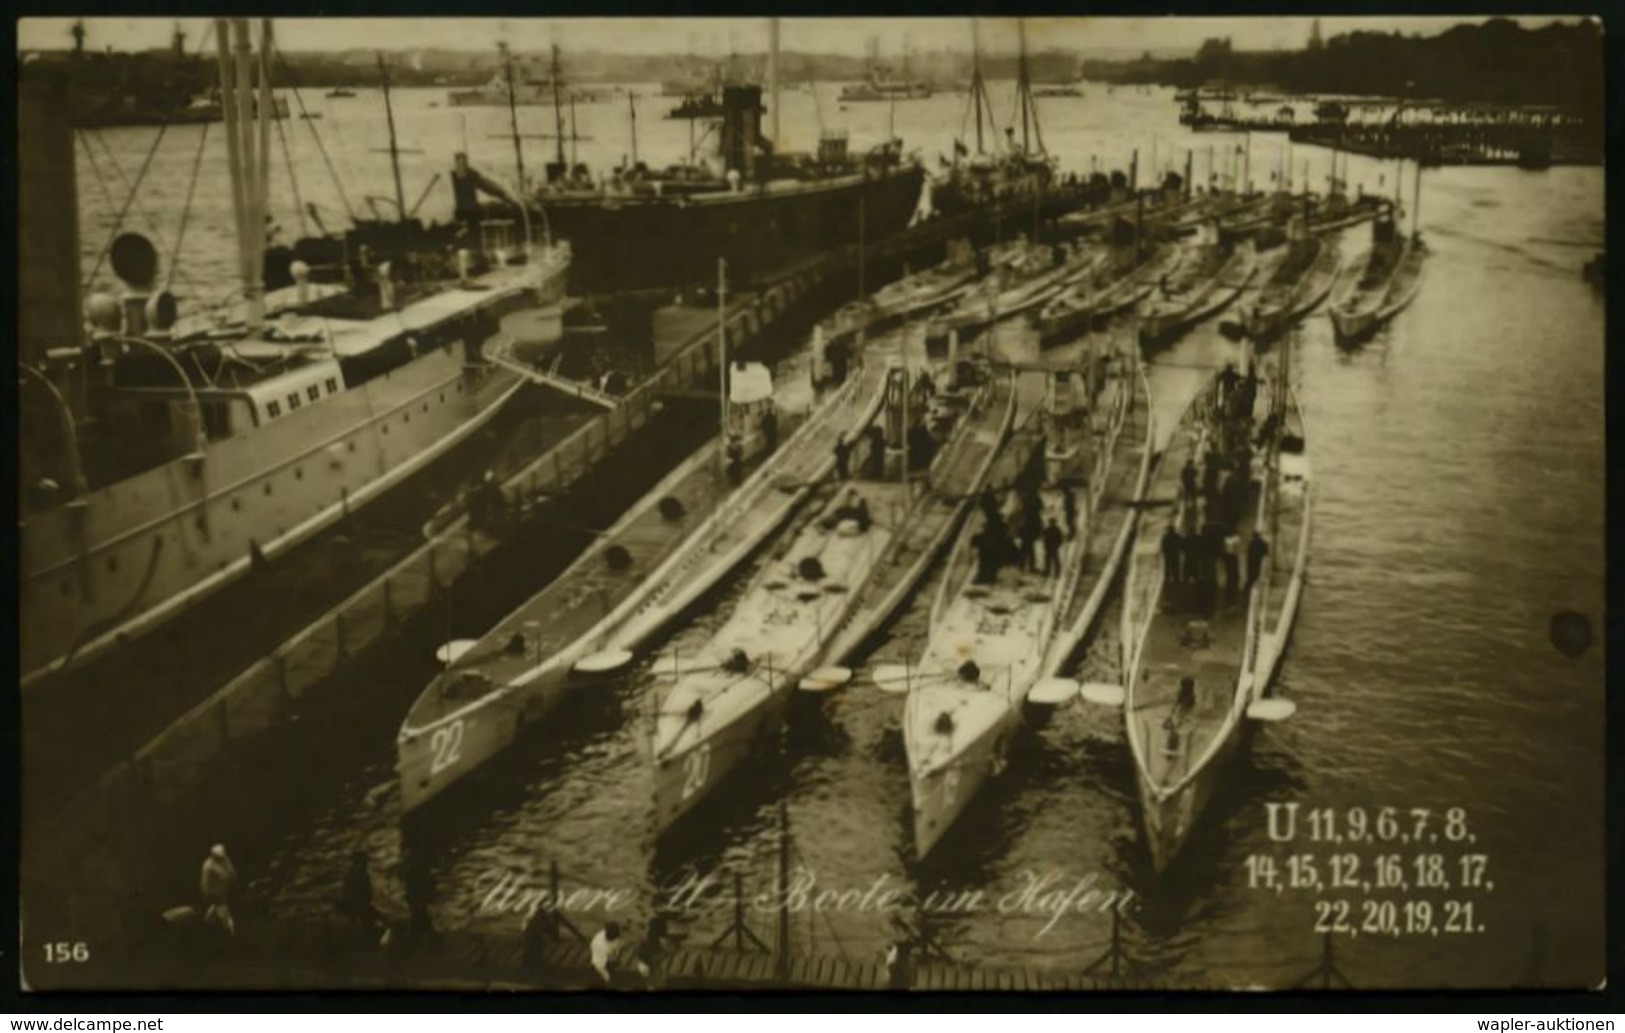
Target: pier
[
  {"x": 1532, "y": 139},
  {"x": 552, "y": 952},
  {"x": 1528, "y": 137}
]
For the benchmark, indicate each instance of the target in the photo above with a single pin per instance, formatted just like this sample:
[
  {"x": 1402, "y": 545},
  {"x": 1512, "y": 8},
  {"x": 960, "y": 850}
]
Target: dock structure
[
  {"x": 1533, "y": 136},
  {"x": 224, "y": 721},
  {"x": 291, "y": 956},
  {"x": 549, "y": 949},
  {"x": 1529, "y": 137}
]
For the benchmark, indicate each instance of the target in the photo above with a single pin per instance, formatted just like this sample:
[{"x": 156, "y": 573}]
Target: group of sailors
[
  {"x": 995, "y": 545},
  {"x": 1196, "y": 558},
  {"x": 922, "y": 443},
  {"x": 1214, "y": 502},
  {"x": 734, "y": 449}
]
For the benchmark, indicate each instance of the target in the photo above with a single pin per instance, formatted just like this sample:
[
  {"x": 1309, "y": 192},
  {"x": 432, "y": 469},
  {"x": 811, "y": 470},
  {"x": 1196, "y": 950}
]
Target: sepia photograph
[{"x": 777, "y": 504}]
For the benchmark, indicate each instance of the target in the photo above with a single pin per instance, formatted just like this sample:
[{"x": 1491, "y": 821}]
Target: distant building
[{"x": 1315, "y": 42}]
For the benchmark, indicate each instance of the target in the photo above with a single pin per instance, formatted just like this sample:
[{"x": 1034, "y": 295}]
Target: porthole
[
  {"x": 350, "y": 445},
  {"x": 298, "y": 474},
  {"x": 236, "y": 505},
  {"x": 112, "y": 564},
  {"x": 67, "y": 587},
  {"x": 267, "y": 488}
]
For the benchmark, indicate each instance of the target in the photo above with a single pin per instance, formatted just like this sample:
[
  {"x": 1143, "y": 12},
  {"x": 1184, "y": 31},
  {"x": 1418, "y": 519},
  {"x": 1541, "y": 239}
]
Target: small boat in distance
[
  {"x": 513, "y": 85},
  {"x": 698, "y": 105},
  {"x": 338, "y": 92}
]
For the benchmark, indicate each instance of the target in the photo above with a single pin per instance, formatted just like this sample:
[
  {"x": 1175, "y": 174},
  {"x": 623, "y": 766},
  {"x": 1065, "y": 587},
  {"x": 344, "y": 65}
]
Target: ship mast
[
  {"x": 394, "y": 144},
  {"x": 632, "y": 119},
  {"x": 978, "y": 89},
  {"x": 558, "y": 106},
  {"x": 1024, "y": 95},
  {"x": 1416, "y": 205},
  {"x": 722, "y": 345},
  {"x": 513, "y": 115},
  {"x": 773, "y": 82},
  {"x": 247, "y": 156}
]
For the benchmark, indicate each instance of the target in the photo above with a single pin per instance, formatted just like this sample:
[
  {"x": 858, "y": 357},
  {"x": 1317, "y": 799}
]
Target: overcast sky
[{"x": 720, "y": 35}]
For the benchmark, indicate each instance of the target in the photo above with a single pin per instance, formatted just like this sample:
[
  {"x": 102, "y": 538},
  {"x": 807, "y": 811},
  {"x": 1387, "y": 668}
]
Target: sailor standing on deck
[
  {"x": 1069, "y": 509},
  {"x": 1257, "y": 549},
  {"x": 736, "y": 460},
  {"x": 1232, "y": 562},
  {"x": 1172, "y": 549},
  {"x": 1032, "y": 527},
  {"x": 770, "y": 430},
  {"x": 1227, "y": 380},
  {"x": 843, "y": 457},
  {"x": 215, "y": 886},
  {"x": 467, "y": 185},
  {"x": 1052, "y": 548}
]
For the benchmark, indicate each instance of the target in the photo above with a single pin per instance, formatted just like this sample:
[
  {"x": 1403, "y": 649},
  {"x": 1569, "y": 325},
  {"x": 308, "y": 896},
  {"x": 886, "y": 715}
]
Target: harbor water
[{"x": 1459, "y": 491}]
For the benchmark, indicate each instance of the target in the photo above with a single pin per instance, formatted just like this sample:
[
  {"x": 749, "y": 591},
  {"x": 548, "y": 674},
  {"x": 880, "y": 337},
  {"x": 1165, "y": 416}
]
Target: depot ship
[
  {"x": 166, "y": 452},
  {"x": 760, "y": 207}
]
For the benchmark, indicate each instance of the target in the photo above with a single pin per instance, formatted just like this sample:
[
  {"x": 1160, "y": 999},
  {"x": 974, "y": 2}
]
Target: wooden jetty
[
  {"x": 282, "y": 955},
  {"x": 1529, "y": 138}
]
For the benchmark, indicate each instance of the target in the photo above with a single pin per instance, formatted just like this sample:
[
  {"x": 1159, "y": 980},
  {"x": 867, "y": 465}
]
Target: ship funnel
[
  {"x": 741, "y": 129},
  {"x": 48, "y": 291}
]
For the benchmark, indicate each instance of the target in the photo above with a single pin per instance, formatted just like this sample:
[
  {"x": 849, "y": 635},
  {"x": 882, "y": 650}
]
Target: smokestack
[
  {"x": 47, "y": 219},
  {"x": 773, "y": 82}
]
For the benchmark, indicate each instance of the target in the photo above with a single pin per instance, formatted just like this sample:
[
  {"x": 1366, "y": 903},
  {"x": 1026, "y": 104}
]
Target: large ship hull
[
  {"x": 144, "y": 548},
  {"x": 657, "y": 242}
]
